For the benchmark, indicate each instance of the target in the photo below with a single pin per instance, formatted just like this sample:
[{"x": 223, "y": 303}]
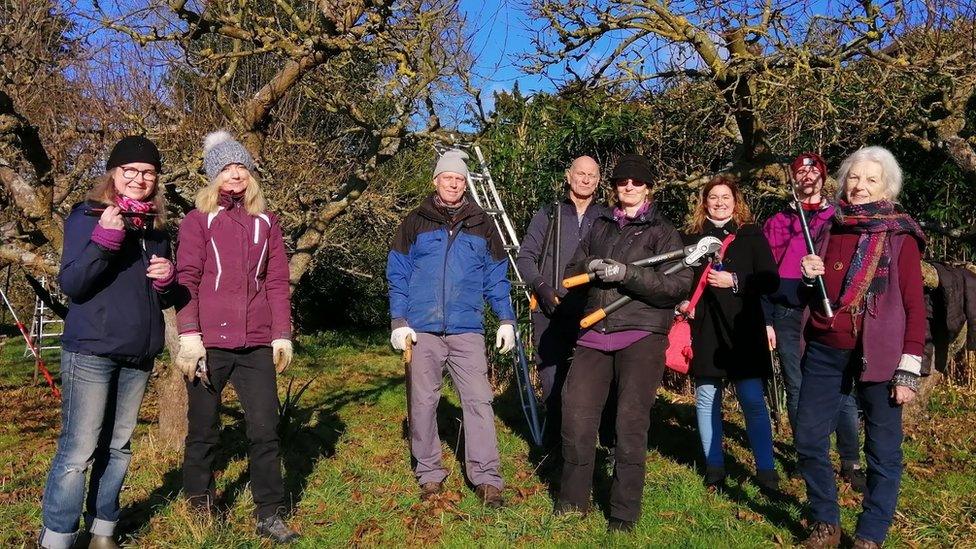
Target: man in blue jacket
[{"x": 447, "y": 259}]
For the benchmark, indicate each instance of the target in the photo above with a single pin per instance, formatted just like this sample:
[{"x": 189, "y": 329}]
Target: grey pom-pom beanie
[
  {"x": 452, "y": 161},
  {"x": 219, "y": 150}
]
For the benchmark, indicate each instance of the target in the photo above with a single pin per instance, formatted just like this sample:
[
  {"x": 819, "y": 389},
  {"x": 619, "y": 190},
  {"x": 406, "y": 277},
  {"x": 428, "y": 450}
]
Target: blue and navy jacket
[
  {"x": 113, "y": 309},
  {"x": 442, "y": 269}
]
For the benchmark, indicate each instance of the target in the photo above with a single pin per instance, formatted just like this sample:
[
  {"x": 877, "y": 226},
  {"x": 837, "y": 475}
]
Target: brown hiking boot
[
  {"x": 822, "y": 536},
  {"x": 861, "y": 543},
  {"x": 490, "y": 496},
  {"x": 430, "y": 489}
]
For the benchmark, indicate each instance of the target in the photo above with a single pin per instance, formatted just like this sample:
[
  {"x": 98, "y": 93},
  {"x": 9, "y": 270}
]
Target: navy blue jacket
[
  {"x": 441, "y": 271},
  {"x": 113, "y": 309}
]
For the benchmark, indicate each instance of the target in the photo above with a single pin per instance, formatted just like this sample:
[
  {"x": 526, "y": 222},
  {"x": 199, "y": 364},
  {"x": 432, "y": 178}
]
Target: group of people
[
  {"x": 849, "y": 337},
  {"x": 230, "y": 287}
]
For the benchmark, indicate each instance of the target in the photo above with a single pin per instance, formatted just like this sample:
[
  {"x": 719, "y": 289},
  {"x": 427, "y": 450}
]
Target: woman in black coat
[
  {"x": 624, "y": 352},
  {"x": 728, "y": 329}
]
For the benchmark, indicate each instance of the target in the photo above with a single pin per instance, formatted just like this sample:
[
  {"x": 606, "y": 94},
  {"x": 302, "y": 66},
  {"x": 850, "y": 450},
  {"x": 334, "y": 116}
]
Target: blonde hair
[
  {"x": 208, "y": 198},
  {"x": 741, "y": 213},
  {"x": 103, "y": 192}
]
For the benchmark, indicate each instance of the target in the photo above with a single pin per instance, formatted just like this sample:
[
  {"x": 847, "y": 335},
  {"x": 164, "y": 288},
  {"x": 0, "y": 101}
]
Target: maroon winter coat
[{"x": 235, "y": 269}]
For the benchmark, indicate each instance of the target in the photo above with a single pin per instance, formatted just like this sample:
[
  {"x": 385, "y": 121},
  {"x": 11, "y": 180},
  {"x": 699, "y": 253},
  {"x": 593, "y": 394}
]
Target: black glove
[
  {"x": 612, "y": 271},
  {"x": 548, "y": 300}
]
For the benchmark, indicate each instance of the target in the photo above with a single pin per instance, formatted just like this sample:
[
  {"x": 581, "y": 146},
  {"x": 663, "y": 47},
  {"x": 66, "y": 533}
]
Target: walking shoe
[
  {"x": 861, "y": 543},
  {"x": 565, "y": 508},
  {"x": 853, "y": 474},
  {"x": 102, "y": 542},
  {"x": 203, "y": 505},
  {"x": 617, "y": 525},
  {"x": 822, "y": 536},
  {"x": 714, "y": 476},
  {"x": 768, "y": 480},
  {"x": 430, "y": 489},
  {"x": 275, "y": 529},
  {"x": 490, "y": 495}
]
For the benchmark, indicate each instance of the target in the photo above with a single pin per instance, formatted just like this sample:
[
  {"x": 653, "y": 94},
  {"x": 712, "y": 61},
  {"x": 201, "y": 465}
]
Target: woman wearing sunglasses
[{"x": 624, "y": 351}]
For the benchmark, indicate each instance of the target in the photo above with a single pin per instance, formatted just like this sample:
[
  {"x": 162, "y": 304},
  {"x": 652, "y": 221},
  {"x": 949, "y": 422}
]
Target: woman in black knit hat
[
  {"x": 117, "y": 277},
  {"x": 625, "y": 350}
]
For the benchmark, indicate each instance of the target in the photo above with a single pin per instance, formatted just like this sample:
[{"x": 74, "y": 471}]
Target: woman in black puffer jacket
[{"x": 624, "y": 350}]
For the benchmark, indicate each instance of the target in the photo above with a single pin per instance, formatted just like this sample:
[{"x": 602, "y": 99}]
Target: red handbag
[{"x": 679, "y": 354}]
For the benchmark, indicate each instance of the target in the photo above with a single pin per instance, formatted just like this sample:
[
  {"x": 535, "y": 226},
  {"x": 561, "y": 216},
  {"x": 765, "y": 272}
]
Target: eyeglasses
[
  {"x": 147, "y": 175},
  {"x": 634, "y": 182}
]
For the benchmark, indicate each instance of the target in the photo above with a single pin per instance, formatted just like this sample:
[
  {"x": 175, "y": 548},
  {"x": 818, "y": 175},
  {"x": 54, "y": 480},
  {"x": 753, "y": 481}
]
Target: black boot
[
  {"x": 274, "y": 528},
  {"x": 853, "y": 474},
  {"x": 617, "y": 525},
  {"x": 714, "y": 477}
]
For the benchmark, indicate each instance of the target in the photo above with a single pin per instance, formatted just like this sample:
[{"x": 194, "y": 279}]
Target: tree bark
[{"x": 172, "y": 392}]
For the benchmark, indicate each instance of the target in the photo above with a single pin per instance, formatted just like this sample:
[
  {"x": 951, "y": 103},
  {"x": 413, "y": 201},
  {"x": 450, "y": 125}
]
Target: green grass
[{"x": 347, "y": 472}]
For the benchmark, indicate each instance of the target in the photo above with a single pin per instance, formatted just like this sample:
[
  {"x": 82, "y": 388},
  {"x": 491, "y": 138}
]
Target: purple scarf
[{"x": 870, "y": 267}]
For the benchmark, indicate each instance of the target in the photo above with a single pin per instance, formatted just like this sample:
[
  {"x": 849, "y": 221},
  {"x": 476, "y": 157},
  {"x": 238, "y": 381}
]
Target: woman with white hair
[
  {"x": 870, "y": 261},
  {"x": 236, "y": 327}
]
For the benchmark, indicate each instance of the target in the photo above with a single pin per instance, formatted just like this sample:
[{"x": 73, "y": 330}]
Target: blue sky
[{"x": 499, "y": 35}]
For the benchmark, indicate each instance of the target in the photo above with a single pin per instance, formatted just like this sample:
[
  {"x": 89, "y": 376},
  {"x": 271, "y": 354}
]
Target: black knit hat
[
  {"x": 134, "y": 148},
  {"x": 632, "y": 166}
]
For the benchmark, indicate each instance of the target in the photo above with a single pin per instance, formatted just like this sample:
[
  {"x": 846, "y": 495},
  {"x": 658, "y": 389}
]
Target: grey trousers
[{"x": 464, "y": 357}]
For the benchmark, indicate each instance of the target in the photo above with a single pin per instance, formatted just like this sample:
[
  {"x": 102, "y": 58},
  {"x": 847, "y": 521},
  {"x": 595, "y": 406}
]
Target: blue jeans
[
  {"x": 708, "y": 404},
  {"x": 100, "y": 400},
  {"x": 827, "y": 379},
  {"x": 787, "y": 322}
]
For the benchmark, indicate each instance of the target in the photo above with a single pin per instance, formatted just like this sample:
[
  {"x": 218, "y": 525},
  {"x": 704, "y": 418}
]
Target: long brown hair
[
  {"x": 741, "y": 213},
  {"x": 103, "y": 192}
]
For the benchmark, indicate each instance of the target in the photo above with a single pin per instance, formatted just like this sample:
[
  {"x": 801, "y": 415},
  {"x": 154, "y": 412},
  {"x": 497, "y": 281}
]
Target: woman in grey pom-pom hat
[{"x": 236, "y": 326}]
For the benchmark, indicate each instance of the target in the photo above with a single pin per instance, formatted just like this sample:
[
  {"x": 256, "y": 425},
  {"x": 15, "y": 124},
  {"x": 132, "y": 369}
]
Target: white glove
[
  {"x": 282, "y": 352},
  {"x": 399, "y": 337},
  {"x": 191, "y": 352},
  {"x": 505, "y": 338}
]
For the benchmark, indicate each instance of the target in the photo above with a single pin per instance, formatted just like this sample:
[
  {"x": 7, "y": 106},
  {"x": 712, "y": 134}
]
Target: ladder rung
[{"x": 493, "y": 211}]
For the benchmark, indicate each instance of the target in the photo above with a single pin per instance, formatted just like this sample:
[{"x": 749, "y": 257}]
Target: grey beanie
[
  {"x": 452, "y": 161},
  {"x": 219, "y": 150}
]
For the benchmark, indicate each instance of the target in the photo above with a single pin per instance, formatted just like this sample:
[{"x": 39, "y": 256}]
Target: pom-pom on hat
[
  {"x": 219, "y": 150},
  {"x": 452, "y": 161}
]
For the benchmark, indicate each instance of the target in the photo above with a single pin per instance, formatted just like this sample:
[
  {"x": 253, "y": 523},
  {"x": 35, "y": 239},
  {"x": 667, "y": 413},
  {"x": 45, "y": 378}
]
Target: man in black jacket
[{"x": 555, "y": 321}]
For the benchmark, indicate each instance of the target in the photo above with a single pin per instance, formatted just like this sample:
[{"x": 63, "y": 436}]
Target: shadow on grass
[
  {"x": 674, "y": 434},
  {"x": 307, "y": 434}
]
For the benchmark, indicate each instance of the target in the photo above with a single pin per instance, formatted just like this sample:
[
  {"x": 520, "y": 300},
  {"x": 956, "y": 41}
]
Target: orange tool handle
[
  {"x": 593, "y": 318},
  {"x": 578, "y": 280},
  {"x": 533, "y": 302}
]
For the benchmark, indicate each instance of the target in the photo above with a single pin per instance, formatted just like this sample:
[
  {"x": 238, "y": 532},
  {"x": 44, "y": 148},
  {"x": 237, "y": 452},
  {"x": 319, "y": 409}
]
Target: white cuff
[{"x": 911, "y": 364}]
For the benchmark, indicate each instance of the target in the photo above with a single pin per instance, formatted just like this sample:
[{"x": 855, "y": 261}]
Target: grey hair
[{"x": 890, "y": 170}]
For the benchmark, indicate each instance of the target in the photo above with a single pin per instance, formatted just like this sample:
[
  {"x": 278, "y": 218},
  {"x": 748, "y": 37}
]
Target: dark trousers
[
  {"x": 828, "y": 377},
  {"x": 636, "y": 370},
  {"x": 554, "y": 340},
  {"x": 787, "y": 321},
  {"x": 251, "y": 372}
]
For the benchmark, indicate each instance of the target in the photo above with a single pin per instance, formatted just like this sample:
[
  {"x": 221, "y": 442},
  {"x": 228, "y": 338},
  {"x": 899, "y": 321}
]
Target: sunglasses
[{"x": 634, "y": 182}]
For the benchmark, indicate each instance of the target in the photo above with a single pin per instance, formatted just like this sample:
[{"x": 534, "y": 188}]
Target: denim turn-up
[{"x": 100, "y": 399}]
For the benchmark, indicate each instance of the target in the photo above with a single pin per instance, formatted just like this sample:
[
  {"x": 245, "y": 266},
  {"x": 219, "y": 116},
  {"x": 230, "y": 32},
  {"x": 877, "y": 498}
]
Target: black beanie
[
  {"x": 632, "y": 166},
  {"x": 134, "y": 148}
]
